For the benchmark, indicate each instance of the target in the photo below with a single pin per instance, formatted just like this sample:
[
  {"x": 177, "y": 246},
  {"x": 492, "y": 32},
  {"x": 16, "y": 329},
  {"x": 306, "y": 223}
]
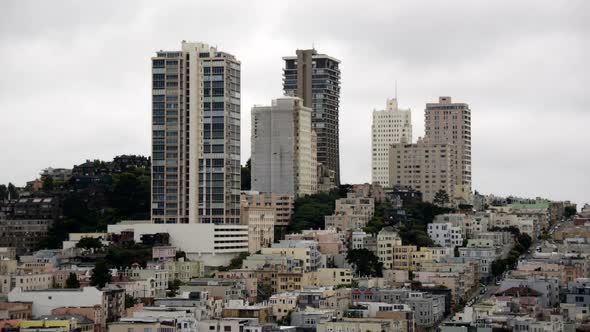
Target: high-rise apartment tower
[
  {"x": 450, "y": 123},
  {"x": 315, "y": 78},
  {"x": 195, "y": 136},
  {"x": 390, "y": 126},
  {"x": 282, "y": 148}
]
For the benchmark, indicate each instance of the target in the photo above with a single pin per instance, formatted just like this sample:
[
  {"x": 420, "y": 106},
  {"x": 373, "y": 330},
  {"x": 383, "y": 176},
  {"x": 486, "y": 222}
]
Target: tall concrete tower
[
  {"x": 450, "y": 123},
  {"x": 315, "y": 78},
  {"x": 282, "y": 148},
  {"x": 195, "y": 136},
  {"x": 390, "y": 126}
]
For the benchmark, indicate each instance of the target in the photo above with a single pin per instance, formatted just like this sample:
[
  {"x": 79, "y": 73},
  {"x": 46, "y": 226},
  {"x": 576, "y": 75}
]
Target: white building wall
[
  {"x": 199, "y": 241},
  {"x": 261, "y": 226},
  {"x": 358, "y": 239},
  {"x": 45, "y": 301},
  {"x": 441, "y": 253},
  {"x": 281, "y": 139},
  {"x": 386, "y": 240},
  {"x": 445, "y": 234},
  {"x": 389, "y": 126}
]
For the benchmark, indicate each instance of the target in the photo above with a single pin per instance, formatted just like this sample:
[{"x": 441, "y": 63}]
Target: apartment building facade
[
  {"x": 445, "y": 234},
  {"x": 450, "y": 123},
  {"x": 423, "y": 166},
  {"x": 315, "y": 78},
  {"x": 282, "y": 141},
  {"x": 442, "y": 159},
  {"x": 387, "y": 239},
  {"x": 261, "y": 226},
  {"x": 282, "y": 204},
  {"x": 195, "y": 136},
  {"x": 389, "y": 127}
]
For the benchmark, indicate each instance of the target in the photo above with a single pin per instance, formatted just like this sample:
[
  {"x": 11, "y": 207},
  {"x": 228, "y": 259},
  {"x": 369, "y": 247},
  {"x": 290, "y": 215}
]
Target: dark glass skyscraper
[{"x": 316, "y": 79}]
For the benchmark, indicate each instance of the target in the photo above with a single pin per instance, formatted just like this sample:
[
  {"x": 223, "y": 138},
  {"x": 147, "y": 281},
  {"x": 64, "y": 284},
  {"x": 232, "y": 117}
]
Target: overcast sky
[{"x": 75, "y": 80}]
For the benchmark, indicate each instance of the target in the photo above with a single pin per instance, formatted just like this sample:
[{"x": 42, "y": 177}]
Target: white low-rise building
[
  {"x": 214, "y": 245},
  {"x": 305, "y": 250},
  {"x": 386, "y": 240},
  {"x": 470, "y": 225},
  {"x": 445, "y": 234},
  {"x": 484, "y": 255},
  {"x": 46, "y": 300},
  {"x": 138, "y": 288},
  {"x": 527, "y": 225},
  {"x": 441, "y": 253},
  {"x": 27, "y": 282},
  {"x": 157, "y": 278},
  {"x": 261, "y": 226},
  {"x": 358, "y": 239},
  {"x": 283, "y": 303}
]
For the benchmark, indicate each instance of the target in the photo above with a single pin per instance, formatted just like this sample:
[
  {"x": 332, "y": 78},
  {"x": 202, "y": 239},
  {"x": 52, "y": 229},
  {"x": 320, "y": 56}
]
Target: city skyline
[{"x": 503, "y": 76}]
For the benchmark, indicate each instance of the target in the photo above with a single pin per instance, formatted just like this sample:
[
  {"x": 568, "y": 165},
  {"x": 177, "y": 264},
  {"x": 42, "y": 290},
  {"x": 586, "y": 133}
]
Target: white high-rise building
[
  {"x": 283, "y": 152},
  {"x": 195, "y": 136},
  {"x": 389, "y": 127}
]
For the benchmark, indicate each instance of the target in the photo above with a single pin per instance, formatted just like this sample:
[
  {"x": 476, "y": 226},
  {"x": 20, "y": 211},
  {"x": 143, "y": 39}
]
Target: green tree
[
  {"x": 441, "y": 198},
  {"x": 310, "y": 210},
  {"x": 511, "y": 261},
  {"x": 181, "y": 254},
  {"x": 89, "y": 243},
  {"x": 72, "y": 281},
  {"x": 129, "y": 194},
  {"x": 130, "y": 301},
  {"x": 173, "y": 287},
  {"x": 122, "y": 256},
  {"x": 263, "y": 292},
  {"x": 365, "y": 262},
  {"x": 545, "y": 236},
  {"x": 12, "y": 191},
  {"x": 513, "y": 229},
  {"x": 524, "y": 240},
  {"x": 423, "y": 213},
  {"x": 3, "y": 192},
  {"x": 285, "y": 320},
  {"x": 382, "y": 217},
  {"x": 415, "y": 234},
  {"x": 101, "y": 275},
  {"x": 498, "y": 267},
  {"x": 90, "y": 206},
  {"x": 353, "y": 284},
  {"x": 48, "y": 184},
  {"x": 520, "y": 248},
  {"x": 569, "y": 211},
  {"x": 235, "y": 263},
  {"x": 246, "y": 175}
]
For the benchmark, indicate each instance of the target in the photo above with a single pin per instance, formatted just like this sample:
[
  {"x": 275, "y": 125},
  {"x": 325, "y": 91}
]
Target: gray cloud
[{"x": 75, "y": 79}]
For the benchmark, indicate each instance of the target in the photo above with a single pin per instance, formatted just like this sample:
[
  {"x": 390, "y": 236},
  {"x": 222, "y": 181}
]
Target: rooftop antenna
[{"x": 395, "y": 89}]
